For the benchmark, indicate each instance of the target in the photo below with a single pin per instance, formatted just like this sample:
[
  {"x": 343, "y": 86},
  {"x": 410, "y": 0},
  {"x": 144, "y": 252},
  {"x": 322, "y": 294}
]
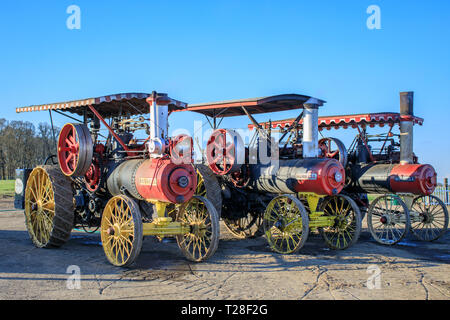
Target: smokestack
[
  {"x": 158, "y": 123},
  {"x": 406, "y": 127},
  {"x": 311, "y": 128}
]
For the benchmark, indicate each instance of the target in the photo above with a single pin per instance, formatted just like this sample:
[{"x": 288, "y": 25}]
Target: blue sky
[{"x": 199, "y": 51}]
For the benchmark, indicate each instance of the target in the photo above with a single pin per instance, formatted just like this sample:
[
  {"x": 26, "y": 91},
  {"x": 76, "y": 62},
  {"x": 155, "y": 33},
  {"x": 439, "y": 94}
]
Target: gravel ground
[{"x": 240, "y": 269}]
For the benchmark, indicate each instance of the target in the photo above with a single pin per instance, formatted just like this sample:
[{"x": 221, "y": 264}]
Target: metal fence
[{"x": 443, "y": 193}]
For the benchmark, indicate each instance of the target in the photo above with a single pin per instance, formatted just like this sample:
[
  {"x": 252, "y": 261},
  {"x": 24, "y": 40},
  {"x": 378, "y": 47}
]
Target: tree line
[{"x": 22, "y": 145}]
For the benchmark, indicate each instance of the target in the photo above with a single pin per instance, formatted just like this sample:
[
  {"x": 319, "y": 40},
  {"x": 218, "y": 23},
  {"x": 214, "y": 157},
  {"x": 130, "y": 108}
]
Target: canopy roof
[
  {"x": 232, "y": 108},
  {"x": 108, "y": 106},
  {"x": 345, "y": 121}
]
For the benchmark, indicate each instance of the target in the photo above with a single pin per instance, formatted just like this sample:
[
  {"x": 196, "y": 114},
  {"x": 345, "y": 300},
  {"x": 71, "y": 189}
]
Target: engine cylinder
[
  {"x": 419, "y": 179},
  {"x": 154, "y": 180},
  {"x": 320, "y": 176}
]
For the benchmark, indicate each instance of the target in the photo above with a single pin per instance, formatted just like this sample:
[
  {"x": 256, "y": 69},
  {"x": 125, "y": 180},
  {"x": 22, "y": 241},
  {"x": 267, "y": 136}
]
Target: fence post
[{"x": 446, "y": 191}]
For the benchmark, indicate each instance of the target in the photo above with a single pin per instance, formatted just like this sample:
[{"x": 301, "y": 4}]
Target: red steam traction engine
[
  {"x": 392, "y": 171},
  {"x": 120, "y": 183},
  {"x": 285, "y": 191}
]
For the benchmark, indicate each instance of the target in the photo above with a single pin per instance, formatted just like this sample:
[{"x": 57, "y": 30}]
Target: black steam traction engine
[
  {"x": 391, "y": 171},
  {"x": 280, "y": 187},
  {"x": 118, "y": 182}
]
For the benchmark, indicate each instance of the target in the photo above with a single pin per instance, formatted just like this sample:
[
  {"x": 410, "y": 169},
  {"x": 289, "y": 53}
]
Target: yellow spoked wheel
[
  {"x": 201, "y": 188},
  {"x": 121, "y": 231},
  {"x": 286, "y": 224},
  {"x": 48, "y": 207},
  {"x": 246, "y": 227},
  {"x": 346, "y": 228},
  {"x": 203, "y": 238}
]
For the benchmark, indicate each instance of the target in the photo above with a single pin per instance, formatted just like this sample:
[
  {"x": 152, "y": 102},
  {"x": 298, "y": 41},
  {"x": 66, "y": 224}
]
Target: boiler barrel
[
  {"x": 419, "y": 179},
  {"x": 154, "y": 180},
  {"x": 320, "y": 176}
]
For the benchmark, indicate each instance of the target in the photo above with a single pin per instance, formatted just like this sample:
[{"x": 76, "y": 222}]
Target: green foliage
[{"x": 7, "y": 187}]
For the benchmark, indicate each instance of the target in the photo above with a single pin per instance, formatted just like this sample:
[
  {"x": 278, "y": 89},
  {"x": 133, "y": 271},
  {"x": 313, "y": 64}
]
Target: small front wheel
[
  {"x": 429, "y": 218},
  {"x": 347, "y": 222},
  {"x": 121, "y": 231},
  {"x": 201, "y": 242},
  {"x": 286, "y": 224}
]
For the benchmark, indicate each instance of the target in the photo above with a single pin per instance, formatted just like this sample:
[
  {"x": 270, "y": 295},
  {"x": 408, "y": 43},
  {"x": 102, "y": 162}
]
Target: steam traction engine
[
  {"x": 120, "y": 183},
  {"x": 391, "y": 171},
  {"x": 286, "y": 191}
]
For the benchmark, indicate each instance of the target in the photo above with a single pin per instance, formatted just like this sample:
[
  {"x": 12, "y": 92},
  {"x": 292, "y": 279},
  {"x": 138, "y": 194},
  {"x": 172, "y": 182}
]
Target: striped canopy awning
[
  {"x": 345, "y": 121},
  {"x": 108, "y": 106}
]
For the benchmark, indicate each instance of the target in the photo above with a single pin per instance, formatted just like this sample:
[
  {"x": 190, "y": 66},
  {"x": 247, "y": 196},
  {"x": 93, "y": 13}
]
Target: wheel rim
[
  {"x": 347, "y": 225},
  {"x": 286, "y": 224},
  {"x": 39, "y": 206},
  {"x": 432, "y": 217},
  {"x": 121, "y": 231},
  {"x": 201, "y": 241},
  {"x": 388, "y": 219}
]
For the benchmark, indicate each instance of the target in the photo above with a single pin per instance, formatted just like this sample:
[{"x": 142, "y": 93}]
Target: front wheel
[
  {"x": 201, "y": 242},
  {"x": 286, "y": 224},
  {"x": 121, "y": 231},
  {"x": 347, "y": 222},
  {"x": 429, "y": 218}
]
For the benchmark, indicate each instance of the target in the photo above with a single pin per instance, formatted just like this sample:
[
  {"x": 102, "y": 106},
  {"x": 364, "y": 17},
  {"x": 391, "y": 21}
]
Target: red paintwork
[
  {"x": 157, "y": 180},
  {"x": 177, "y": 156},
  {"x": 420, "y": 179},
  {"x": 325, "y": 183},
  {"x": 219, "y": 156},
  {"x": 92, "y": 177},
  {"x": 68, "y": 150},
  {"x": 351, "y": 120}
]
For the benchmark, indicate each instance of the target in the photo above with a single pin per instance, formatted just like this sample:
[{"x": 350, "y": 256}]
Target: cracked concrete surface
[{"x": 241, "y": 269}]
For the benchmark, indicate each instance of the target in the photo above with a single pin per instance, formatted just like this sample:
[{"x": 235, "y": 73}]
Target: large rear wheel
[
  {"x": 49, "y": 212},
  {"x": 249, "y": 226},
  {"x": 388, "y": 219}
]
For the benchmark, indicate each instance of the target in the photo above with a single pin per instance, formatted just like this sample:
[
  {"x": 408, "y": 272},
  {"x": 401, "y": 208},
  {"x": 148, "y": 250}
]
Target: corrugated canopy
[
  {"x": 233, "y": 108},
  {"x": 108, "y": 106},
  {"x": 345, "y": 121}
]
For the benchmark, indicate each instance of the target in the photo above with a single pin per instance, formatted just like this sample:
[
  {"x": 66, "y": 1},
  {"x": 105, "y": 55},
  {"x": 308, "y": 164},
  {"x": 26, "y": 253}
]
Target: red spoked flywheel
[
  {"x": 223, "y": 151},
  {"x": 93, "y": 176},
  {"x": 75, "y": 150}
]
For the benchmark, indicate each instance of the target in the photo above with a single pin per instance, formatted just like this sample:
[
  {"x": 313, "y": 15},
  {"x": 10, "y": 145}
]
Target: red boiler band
[
  {"x": 330, "y": 178},
  {"x": 420, "y": 179},
  {"x": 154, "y": 180}
]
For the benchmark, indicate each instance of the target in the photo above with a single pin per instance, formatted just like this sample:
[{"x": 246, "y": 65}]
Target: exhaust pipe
[{"x": 406, "y": 127}]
